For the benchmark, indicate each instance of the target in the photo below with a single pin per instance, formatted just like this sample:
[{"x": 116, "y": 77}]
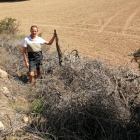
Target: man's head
[{"x": 34, "y": 31}]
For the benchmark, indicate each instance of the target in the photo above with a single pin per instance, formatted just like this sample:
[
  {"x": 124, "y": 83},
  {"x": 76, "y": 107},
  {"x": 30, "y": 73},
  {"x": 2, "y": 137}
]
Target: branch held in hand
[{"x": 58, "y": 49}]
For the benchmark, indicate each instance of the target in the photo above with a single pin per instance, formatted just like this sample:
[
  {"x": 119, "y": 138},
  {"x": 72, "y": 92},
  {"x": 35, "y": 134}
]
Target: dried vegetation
[{"x": 80, "y": 100}]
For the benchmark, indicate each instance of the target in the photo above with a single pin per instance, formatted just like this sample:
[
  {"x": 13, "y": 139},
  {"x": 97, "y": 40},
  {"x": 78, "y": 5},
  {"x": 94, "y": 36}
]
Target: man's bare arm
[
  {"x": 51, "y": 41},
  {"x": 25, "y": 57}
]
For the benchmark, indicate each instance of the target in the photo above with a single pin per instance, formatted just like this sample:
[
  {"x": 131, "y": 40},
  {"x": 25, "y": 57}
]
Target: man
[{"x": 32, "y": 44}]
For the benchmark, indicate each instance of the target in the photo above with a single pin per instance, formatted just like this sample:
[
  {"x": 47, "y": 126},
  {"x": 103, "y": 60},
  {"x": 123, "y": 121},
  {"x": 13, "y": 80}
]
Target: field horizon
[{"x": 101, "y": 29}]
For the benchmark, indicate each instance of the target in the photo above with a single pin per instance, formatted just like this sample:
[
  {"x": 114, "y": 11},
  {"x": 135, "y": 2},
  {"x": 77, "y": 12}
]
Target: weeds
[{"x": 38, "y": 106}]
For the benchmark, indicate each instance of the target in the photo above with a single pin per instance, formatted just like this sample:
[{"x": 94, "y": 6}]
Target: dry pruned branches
[{"x": 82, "y": 99}]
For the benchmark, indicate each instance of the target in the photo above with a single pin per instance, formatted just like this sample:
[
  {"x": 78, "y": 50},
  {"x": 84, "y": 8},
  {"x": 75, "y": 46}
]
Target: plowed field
[{"x": 105, "y": 29}]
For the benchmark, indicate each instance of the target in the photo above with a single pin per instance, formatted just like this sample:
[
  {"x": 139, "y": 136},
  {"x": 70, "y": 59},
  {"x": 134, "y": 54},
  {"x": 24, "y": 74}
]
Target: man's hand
[
  {"x": 25, "y": 57},
  {"x": 52, "y": 39},
  {"x": 55, "y": 33},
  {"x": 27, "y": 65}
]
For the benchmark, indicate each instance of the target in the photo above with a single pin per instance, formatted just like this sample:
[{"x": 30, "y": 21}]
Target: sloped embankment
[{"x": 81, "y": 99}]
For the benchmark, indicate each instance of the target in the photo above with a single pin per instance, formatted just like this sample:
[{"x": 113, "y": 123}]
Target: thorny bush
[{"x": 85, "y": 100}]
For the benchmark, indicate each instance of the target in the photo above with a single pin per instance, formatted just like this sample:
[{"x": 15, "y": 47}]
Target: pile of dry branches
[{"x": 81, "y": 100}]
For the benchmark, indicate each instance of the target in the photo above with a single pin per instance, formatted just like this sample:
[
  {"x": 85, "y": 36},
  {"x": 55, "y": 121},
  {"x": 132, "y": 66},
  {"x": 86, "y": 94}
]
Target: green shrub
[
  {"x": 38, "y": 106},
  {"x": 8, "y": 26}
]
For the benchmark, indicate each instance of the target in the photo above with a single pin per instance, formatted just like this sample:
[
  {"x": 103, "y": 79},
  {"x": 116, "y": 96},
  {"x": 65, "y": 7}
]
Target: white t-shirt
[
  {"x": 29, "y": 40},
  {"x": 34, "y": 47}
]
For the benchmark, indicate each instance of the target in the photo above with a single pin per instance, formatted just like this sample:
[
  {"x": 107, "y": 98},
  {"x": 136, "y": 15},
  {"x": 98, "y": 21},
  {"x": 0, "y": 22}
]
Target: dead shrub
[{"x": 84, "y": 99}]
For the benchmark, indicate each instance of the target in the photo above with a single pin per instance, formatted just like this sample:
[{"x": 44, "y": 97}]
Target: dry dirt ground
[{"x": 105, "y": 29}]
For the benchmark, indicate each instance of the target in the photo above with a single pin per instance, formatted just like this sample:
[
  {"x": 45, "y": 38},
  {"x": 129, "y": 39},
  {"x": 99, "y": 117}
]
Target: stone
[
  {"x": 5, "y": 91},
  {"x": 4, "y": 95},
  {"x": 25, "y": 119},
  {"x": 1, "y": 126},
  {"x": 3, "y": 74}
]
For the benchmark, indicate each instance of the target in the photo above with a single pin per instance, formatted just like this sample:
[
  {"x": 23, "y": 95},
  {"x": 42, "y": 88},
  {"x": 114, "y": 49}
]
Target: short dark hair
[{"x": 34, "y": 26}]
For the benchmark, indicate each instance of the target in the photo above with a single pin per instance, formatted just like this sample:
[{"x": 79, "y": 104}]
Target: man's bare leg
[
  {"x": 32, "y": 78},
  {"x": 38, "y": 74}
]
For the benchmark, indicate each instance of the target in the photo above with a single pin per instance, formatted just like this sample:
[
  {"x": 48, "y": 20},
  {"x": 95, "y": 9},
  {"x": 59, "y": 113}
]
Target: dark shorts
[{"x": 33, "y": 65}]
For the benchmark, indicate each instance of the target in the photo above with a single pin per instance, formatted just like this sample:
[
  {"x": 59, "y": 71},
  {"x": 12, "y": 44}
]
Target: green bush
[
  {"x": 8, "y": 26},
  {"x": 38, "y": 106}
]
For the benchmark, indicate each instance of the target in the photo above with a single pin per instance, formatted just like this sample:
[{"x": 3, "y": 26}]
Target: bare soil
[{"x": 102, "y": 29}]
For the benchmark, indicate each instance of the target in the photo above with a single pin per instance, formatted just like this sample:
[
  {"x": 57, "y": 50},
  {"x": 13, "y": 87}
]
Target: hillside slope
[{"x": 81, "y": 99}]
